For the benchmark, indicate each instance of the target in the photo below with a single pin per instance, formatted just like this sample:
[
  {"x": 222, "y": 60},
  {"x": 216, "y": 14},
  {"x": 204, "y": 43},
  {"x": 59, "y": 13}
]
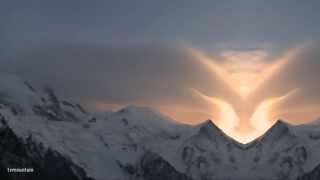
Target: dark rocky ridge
[
  {"x": 47, "y": 163},
  {"x": 313, "y": 175},
  {"x": 153, "y": 167}
]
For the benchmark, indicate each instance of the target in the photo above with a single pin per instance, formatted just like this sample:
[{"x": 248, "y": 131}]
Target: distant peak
[
  {"x": 280, "y": 124},
  {"x": 278, "y": 130},
  {"x": 208, "y": 124},
  {"x": 210, "y": 129},
  {"x": 140, "y": 110},
  {"x": 133, "y": 108},
  {"x": 315, "y": 122}
]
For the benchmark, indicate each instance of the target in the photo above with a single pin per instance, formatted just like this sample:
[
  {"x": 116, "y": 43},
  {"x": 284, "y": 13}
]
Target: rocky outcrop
[
  {"x": 17, "y": 153},
  {"x": 153, "y": 167},
  {"x": 313, "y": 175},
  {"x": 52, "y": 108}
]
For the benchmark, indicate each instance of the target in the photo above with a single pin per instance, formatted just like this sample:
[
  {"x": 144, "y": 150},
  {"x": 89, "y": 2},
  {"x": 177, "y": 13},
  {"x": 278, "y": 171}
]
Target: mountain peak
[
  {"x": 277, "y": 131},
  {"x": 139, "y": 109},
  {"x": 211, "y": 130},
  {"x": 315, "y": 122},
  {"x": 16, "y": 93},
  {"x": 208, "y": 124},
  {"x": 280, "y": 125}
]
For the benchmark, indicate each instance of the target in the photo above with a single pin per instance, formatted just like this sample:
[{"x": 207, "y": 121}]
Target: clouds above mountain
[
  {"x": 161, "y": 76},
  {"x": 302, "y": 73},
  {"x": 111, "y": 77}
]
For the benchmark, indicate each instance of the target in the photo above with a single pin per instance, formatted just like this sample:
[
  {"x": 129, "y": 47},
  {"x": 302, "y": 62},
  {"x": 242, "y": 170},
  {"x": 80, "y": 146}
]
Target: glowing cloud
[
  {"x": 260, "y": 118},
  {"x": 244, "y": 72},
  {"x": 228, "y": 118}
]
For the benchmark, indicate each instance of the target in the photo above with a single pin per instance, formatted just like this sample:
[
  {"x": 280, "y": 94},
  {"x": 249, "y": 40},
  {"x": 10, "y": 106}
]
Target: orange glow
[
  {"x": 260, "y": 119},
  {"x": 244, "y": 72},
  {"x": 228, "y": 118},
  {"x": 244, "y": 90}
]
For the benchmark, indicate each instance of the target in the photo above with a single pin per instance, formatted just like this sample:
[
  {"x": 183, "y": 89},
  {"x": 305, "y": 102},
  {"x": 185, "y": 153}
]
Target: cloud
[
  {"x": 156, "y": 76},
  {"x": 302, "y": 72},
  {"x": 161, "y": 77}
]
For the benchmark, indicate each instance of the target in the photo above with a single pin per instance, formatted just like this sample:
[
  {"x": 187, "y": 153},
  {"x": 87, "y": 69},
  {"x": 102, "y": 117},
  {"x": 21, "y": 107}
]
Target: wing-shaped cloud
[
  {"x": 302, "y": 72},
  {"x": 228, "y": 119},
  {"x": 104, "y": 77},
  {"x": 244, "y": 72},
  {"x": 260, "y": 119}
]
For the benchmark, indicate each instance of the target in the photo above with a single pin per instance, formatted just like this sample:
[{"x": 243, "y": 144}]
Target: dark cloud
[
  {"x": 206, "y": 23},
  {"x": 147, "y": 75}
]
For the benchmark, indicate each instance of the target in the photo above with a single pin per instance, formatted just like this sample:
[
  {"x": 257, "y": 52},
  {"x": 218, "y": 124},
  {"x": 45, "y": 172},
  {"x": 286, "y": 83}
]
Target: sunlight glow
[
  {"x": 260, "y": 119},
  {"x": 228, "y": 118},
  {"x": 244, "y": 73}
]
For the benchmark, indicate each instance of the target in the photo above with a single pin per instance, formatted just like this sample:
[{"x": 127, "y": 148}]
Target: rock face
[
  {"x": 61, "y": 140},
  {"x": 156, "y": 168},
  {"x": 46, "y": 163},
  {"x": 153, "y": 167},
  {"x": 313, "y": 175}
]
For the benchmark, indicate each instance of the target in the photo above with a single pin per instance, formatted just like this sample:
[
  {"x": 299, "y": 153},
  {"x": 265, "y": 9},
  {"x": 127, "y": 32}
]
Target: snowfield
[{"x": 110, "y": 146}]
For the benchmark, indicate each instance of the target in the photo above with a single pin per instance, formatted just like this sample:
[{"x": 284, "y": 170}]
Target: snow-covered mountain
[{"x": 140, "y": 143}]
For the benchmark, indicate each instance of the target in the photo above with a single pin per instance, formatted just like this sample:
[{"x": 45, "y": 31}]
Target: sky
[{"x": 171, "y": 55}]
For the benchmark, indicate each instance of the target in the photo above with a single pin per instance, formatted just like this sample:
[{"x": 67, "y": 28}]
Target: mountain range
[{"x": 62, "y": 140}]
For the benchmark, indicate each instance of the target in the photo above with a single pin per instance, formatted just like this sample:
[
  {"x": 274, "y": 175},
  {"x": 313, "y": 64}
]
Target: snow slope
[{"x": 103, "y": 145}]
